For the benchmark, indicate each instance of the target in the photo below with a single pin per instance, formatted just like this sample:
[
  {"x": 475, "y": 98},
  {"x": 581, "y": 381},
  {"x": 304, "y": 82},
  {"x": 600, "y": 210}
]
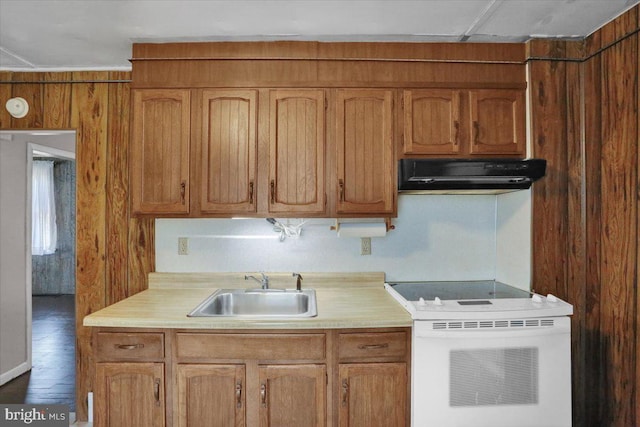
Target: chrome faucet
[
  {"x": 298, "y": 276},
  {"x": 264, "y": 282}
]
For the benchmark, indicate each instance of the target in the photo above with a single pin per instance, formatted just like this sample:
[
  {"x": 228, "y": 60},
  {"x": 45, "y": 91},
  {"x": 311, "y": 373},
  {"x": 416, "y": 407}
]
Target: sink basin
[{"x": 258, "y": 303}]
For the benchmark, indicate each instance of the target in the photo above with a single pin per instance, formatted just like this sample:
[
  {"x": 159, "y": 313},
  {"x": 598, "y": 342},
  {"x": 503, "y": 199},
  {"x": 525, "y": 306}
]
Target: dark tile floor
[{"x": 52, "y": 378}]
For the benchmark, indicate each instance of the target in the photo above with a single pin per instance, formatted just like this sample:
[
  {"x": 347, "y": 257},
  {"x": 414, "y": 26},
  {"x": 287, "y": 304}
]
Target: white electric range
[{"x": 486, "y": 354}]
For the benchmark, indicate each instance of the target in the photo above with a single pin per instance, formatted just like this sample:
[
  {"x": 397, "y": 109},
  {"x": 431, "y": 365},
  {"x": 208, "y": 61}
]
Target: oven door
[{"x": 492, "y": 373}]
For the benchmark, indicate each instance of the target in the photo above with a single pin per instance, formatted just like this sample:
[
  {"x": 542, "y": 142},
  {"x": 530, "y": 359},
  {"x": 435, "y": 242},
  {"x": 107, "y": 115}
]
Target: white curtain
[{"x": 44, "y": 233}]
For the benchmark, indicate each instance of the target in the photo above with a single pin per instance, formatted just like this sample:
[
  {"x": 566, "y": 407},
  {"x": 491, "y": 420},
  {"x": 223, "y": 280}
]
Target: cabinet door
[
  {"x": 497, "y": 122},
  {"x": 293, "y": 395},
  {"x": 159, "y": 169},
  {"x": 297, "y": 146},
  {"x": 365, "y": 162},
  {"x": 431, "y": 121},
  {"x": 129, "y": 394},
  {"x": 211, "y": 395},
  {"x": 227, "y": 165},
  {"x": 373, "y": 394}
]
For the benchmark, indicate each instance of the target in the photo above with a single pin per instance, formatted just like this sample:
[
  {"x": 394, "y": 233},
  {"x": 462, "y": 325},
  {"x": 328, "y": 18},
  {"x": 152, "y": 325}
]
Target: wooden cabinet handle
[
  {"x": 129, "y": 346},
  {"x": 263, "y": 395},
  {"x": 156, "y": 391},
  {"x": 251, "y": 192},
  {"x": 373, "y": 346},
  {"x": 239, "y": 395},
  {"x": 341, "y": 186},
  {"x": 456, "y": 135},
  {"x": 183, "y": 189},
  {"x": 345, "y": 391},
  {"x": 476, "y": 132},
  {"x": 273, "y": 192}
]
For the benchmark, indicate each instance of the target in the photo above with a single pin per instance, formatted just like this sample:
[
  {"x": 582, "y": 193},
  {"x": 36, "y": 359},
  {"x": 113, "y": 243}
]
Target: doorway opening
[{"x": 47, "y": 298}]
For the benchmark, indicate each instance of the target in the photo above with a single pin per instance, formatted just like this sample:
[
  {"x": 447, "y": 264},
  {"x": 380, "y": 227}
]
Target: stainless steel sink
[{"x": 258, "y": 303}]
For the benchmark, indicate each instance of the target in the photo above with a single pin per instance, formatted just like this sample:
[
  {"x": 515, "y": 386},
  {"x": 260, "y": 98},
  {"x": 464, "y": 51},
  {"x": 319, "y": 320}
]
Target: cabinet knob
[
  {"x": 456, "y": 134},
  {"x": 263, "y": 395},
  {"x": 476, "y": 132},
  {"x": 273, "y": 192},
  {"x": 156, "y": 391},
  {"x": 239, "y": 395},
  {"x": 129, "y": 346},
  {"x": 345, "y": 391},
  {"x": 373, "y": 346}
]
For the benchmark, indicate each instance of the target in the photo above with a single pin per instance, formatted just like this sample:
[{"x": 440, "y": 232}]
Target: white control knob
[
  {"x": 552, "y": 298},
  {"x": 421, "y": 301},
  {"x": 437, "y": 301},
  {"x": 537, "y": 298}
]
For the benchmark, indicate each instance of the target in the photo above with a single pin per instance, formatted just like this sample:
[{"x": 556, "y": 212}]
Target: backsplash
[{"x": 437, "y": 237}]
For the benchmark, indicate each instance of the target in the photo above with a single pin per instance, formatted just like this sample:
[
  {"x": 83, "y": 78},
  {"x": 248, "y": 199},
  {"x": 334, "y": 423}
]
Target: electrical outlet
[
  {"x": 183, "y": 246},
  {"x": 365, "y": 246}
]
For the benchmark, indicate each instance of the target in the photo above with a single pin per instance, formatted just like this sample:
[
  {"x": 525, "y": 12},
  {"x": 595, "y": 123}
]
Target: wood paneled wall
[
  {"x": 585, "y": 100},
  {"x": 114, "y": 251}
]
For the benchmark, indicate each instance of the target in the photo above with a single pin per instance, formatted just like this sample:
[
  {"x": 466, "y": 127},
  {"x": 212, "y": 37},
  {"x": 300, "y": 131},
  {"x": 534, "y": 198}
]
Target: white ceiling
[{"x": 97, "y": 34}]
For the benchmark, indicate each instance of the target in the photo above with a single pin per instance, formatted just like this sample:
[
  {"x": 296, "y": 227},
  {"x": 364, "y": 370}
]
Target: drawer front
[
  {"x": 130, "y": 346},
  {"x": 251, "y": 346},
  {"x": 372, "y": 346}
]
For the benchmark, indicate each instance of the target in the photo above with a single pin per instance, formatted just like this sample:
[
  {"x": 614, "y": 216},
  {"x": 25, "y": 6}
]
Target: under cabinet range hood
[{"x": 473, "y": 176}]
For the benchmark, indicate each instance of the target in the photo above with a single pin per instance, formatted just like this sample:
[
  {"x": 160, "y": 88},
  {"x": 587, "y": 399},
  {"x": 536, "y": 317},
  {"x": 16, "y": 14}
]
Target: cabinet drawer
[
  {"x": 372, "y": 346},
  {"x": 130, "y": 346},
  {"x": 251, "y": 346}
]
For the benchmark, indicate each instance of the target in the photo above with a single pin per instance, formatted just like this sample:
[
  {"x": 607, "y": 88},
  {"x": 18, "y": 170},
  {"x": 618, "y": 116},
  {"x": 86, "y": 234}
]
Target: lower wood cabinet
[
  {"x": 271, "y": 378},
  {"x": 293, "y": 395},
  {"x": 373, "y": 394},
  {"x": 211, "y": 395},
  {"x": 129, "y": 394}
]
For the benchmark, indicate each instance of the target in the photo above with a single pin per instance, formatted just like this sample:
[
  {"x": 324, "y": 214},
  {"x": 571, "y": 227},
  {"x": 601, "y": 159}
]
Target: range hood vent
[{"x": 473, "y": 176}]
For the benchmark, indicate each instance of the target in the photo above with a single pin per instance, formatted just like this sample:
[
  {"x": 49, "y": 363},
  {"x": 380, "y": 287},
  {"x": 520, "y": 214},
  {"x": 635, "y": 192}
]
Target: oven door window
[{"x": 493, "y": 376}]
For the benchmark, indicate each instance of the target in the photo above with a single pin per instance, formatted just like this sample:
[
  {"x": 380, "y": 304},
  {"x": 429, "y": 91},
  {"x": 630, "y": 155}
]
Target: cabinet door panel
[
  {"x": 160, "y": 151},
  {"x": 497, "y": 122},
  {"x": 297, "y": 145},
  {"x": 364, "y": 136},
  {"x": 373, "y": 394},
  {"x": 293, "y": 395},
  {"x": 129, "y": 394},
  {"x": 211, "y": 395},
  {"x": 228, "y": 162},
  {"x": 431, "y": 121}
]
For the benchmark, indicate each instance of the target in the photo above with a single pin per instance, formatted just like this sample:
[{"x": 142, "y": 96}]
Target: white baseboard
[{"x": 14, "y": 373}]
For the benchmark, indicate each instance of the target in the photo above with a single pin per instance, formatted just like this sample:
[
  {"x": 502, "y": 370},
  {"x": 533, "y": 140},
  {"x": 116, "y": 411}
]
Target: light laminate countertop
[{"x": 346, "y": 300}]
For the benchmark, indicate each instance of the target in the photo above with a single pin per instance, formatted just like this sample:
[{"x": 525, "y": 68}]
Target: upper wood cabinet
[
  {"x": 226, "y": 159},
  {"x": 366, "y": 182},
  {"x": 432, "y": 121},
  {"x": 297, "y": 151},
  {"x": 466, "y": 123},
  {"x": 160, "y": 139},
  {"x": 498, "y": 122}
]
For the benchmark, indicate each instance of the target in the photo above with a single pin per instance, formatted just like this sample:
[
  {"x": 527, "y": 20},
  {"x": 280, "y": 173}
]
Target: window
[{"x": 44, "y": 233}]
